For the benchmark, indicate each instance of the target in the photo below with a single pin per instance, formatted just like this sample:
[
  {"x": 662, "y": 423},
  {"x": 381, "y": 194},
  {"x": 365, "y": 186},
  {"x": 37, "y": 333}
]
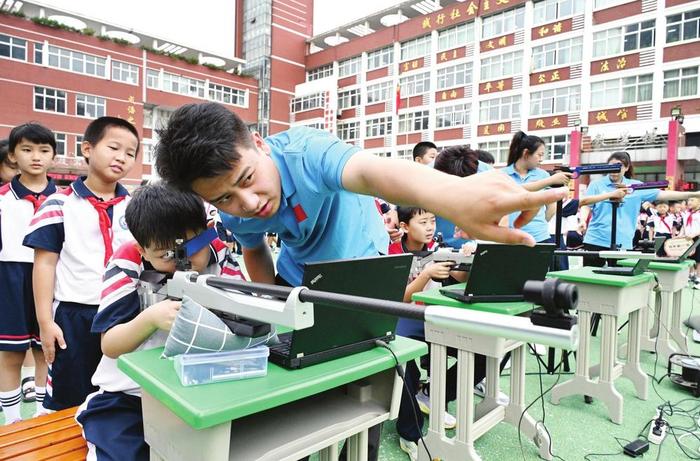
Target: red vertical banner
[
  {"x": 575, "y": 155},
  {"x": 398, "y": 97},
  {"x": 672, "y": 166}
]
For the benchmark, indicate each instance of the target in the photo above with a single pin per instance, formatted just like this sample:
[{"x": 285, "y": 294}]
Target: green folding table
[{"x": 284, "y": 416}]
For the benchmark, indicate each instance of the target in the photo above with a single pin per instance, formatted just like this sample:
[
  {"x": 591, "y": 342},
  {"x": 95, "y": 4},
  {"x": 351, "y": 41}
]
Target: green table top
[
  {"x": 432, "y": 297},
  {"x": 586, "y": 275},
  {"x": 211, "y": 404},
  {"x": 660, "y": 266}
]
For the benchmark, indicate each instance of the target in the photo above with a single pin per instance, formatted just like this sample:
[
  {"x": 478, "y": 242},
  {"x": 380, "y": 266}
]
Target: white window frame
[
  {"x": 414, "y": 121},
  {"x": 452, "y": 116},
  {"x": 679, "y": 21},
  {"x": 414, "y": 85},
  {"x": 494, "y": 67},
  {"x": 550, "y": 10},
  {"x": 503, "y": 23},
  {"x": 349, "y": 98},
  {"x": 308, "y": 102},
  {"x": 380, "y": 58},
  {"x": 13, "y": 43},
  {"x": 554, "y": 51},
  {"x": 153, "y": 79},
  {"x": 69, "y": 60},
  {"x": 378, "y": 127},
  {"x": 610, "y": 42},
  {"x": 227, "y": 95},
  {"x": 381, "y": 91},
  {"x": 679, "y": 76},
  {"x": 92, "y": 106},
  {"x": 125, "y": 72},
  {"x": 179, "y": 84},
  {"x": 58, "y": 95},
  {"x": 555, "y": 101},
  {"x": 319, "y": 73},
  {"x": 79, "y": 146},
  {"x": 61, "y": 141},
  {"x": 499, "y": 149},
  {"x": 506, "y": 108},
  {"x": 611, "y": 93},
  {"x": 456, "y": 36},
  {"x": 554, "y": 143},
  {"x": 348, "y": 131},
  {"x": 416, "y": 48},
  {"x": 454, "y": 76},
  {"x": 349, "y": 67}
]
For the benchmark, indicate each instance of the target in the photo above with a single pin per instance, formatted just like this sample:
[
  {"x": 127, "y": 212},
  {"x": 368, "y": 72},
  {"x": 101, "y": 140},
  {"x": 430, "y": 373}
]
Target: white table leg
[
  {"x": 677, "y": 329},
  {"x": 357, "y": 447},
  {"x": 663, "y": 343},
  {"x": 330, "y": 453},
  {"x": 578, "y": 384},
  {"x": 632, "y": 369}
]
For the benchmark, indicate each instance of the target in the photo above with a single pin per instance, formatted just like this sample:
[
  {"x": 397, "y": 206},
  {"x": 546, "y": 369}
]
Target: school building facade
[{"x": 475, "y": 72}]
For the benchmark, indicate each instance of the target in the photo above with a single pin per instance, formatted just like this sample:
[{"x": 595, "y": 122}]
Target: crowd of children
[{"x": 70, "y": 262}]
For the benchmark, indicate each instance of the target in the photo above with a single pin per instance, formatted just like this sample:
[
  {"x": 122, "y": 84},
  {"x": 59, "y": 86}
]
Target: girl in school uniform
[{"x": 599, "y": 227}]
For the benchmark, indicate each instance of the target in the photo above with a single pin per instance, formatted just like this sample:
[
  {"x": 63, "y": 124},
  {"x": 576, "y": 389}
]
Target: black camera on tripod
[{"x": 556, "y": 299}]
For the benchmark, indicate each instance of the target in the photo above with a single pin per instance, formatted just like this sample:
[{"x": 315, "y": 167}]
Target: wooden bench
[{"x": 55, "y": 437}]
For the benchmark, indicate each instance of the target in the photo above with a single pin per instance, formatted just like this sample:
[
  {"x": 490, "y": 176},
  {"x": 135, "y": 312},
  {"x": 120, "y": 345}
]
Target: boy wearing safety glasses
[{"x": 157, "y": 216}]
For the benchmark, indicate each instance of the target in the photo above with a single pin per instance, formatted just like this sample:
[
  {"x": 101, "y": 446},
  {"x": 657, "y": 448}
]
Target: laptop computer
[
  {"x": 499, "y": 272},
  {"x": 686, "y": 254},
  {"x": 640, "y": 267},
  {"x": 340, "y": 332}
]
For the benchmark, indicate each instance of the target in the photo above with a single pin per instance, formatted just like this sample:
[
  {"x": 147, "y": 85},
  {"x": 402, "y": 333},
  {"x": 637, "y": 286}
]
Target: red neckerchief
[
  {"x": 35, "y": 200},
  {"x": 663, "y": 220},
  {"x": 689, "y": 221},
  {"x": 105, "y": 223}
]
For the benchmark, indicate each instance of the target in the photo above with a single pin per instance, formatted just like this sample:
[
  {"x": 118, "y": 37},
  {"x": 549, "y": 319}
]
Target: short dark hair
[
  {"x": 661, "y": 202},
  {"x": 4, "y": 143},
  {"x": 405, "y": 213},
  {"x": 158, "y": 215},
  {"x": 97, "y": 129},
  {"x": 458, "y": 161},
  {"x": 485, "y": 157},
  {"x": 625, "y": 159},
  {"x": 422, "y": 148},
  {"x": 32, "y": 132},
  {"x": 200, "y": 141},
  {"x": 520, "y": 143}
]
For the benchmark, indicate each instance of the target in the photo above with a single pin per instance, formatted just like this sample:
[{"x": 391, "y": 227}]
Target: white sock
[
  {"x": 10, "y": 405},
  {"x": 27, "y": 371},
  {"x": 40, "y": 393}
]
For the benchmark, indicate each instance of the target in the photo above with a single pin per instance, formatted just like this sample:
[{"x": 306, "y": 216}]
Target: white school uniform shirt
[
  {"x": 68, "y": 224},
  {"x": 691, "y": 222},
  {"x": 664, "y": 225},
  {"x": 16, "y": 213}
]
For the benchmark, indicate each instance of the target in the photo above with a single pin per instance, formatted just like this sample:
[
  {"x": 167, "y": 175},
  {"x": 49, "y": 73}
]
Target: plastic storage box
[{"x": 215, "y": 367}]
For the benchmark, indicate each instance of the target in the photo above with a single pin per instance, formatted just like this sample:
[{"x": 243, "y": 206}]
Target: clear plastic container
[{"x": 215, "y": 367}]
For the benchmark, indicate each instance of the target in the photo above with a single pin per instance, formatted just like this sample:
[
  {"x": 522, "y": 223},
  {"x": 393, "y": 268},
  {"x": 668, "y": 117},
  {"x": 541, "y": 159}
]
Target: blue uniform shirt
[
  {"x": 447, "y": 228},
  {"x": 317, "y": 219},
  {"x": 538, "y": 227},
  {"x": 599, "y": 227}
]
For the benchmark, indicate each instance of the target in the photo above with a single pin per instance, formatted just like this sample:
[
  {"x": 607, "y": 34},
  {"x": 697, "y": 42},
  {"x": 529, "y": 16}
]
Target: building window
[
  {"x": 502, "y": 65},
  {"x": 349, "y": 131},
  {"x": 628, "y": 38},
  {"x": 227, "y": 95},
  {"x": 315, "y": 125},
  {"x": 78, "y": 146},
  {"x": 415, "y": 84},
  {"x": 89, "y": 106},
  {"x": 683, "y": 26},
  {"x": 49, "y": 99},
  {"x": 404, "y": 154},
  {"x": 13, "y": 47},
  {"x": 498, "y": 109},
  {"x": 349, "y": 67},
  {"x": 123, "y": 72},
  {"x": 459, "y": 75},
  {"x": 379, "y": 92},
  {"x": 148, "y": 153},
  {"x": 503, "y": 23},
  {"x": 380, "y": 58},
  {"x": 348, "y": 99},
  {"x": 558, "y": 53},
  {"x": 153, "y": 79},
  {"x": 551, "y": 10},
  {"x": 377, "y": 127},
  {"x": 558, "y": 101},
  {"x": 600, "y": 4},
  {"x": 183, "y": 85},
  {"x": 319, "y": 72},
  {"x": 456, "y": 36},
  {"x": 413, "y": 121},
  {"x": 60, "y": 143},
  {"x": 39, "y": 53},
  {"x": 681, "y": 82},
  {"x": 499, "y": 150},
  {"x": 449, "y": 116},
  {"x": 628, "y": 90},
  {"x": 556, "y": 147},
  {"x": 74, "y": 61},
  {"x": 309, "y": 102},
  {"x": 415, "y": 48}
]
